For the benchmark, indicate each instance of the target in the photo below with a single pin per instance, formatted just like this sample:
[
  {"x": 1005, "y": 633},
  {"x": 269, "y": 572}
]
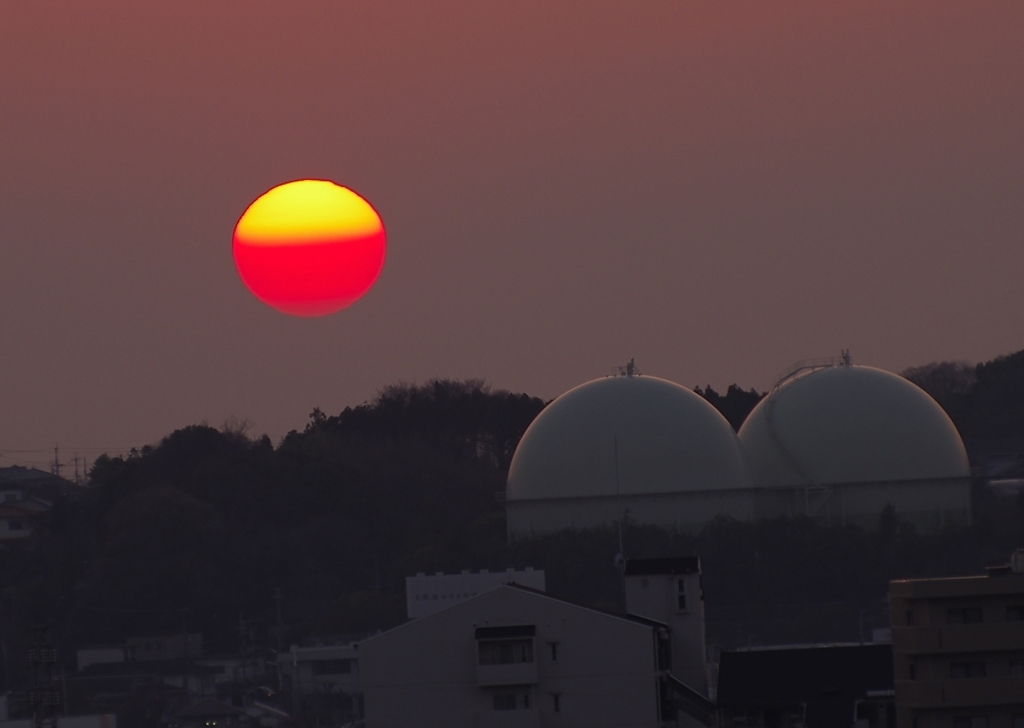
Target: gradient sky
[{"x": 716, "y": 189}]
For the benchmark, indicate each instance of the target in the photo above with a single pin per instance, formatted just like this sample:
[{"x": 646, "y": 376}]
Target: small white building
[{"x": 428, "y": 594}]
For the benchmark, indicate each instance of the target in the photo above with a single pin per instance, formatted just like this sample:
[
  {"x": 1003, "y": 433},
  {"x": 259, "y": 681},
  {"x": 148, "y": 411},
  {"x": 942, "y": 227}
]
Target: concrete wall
[
  {"x": 686, "y": 511},
  {"x": 930, "y": 505},
  {"x": 602, "y": 669}
]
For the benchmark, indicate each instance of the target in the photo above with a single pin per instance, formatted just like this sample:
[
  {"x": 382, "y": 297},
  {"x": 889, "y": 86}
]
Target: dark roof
[
  {"x": 18, "y": 474},
  {"x": 628, "y": 617},
  {"x": 12, "y": 510},
  {"x": 180, "y": 666},
  {"x": 691, "y": 702},
  {"x": 496, "y": 633},
  {"x": 209, "y": 707},
  {"x": 813, "y": 675},
  {"x": 652, "y": 567}
]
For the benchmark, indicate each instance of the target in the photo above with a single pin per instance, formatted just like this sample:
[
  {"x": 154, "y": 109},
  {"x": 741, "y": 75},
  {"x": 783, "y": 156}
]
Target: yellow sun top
[{"x": 305, "y": 211}]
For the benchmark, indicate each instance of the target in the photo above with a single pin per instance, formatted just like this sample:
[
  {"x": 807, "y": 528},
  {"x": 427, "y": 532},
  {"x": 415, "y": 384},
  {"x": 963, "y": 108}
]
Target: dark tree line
[
  {"x": 985, "y": 401},
  {"x": 734, "y": 405}
]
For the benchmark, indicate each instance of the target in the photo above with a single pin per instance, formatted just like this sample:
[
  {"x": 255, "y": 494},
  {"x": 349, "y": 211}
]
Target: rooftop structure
[{"x": 426, "y": 594}]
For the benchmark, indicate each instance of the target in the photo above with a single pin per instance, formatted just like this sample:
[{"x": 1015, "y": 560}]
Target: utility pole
[
  {"x": 184, "y": 634},
  {"x": 280, "y": 638},
  {"x": 56, "y": 461}
]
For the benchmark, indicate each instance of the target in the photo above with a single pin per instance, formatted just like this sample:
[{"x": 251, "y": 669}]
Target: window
[
  {"x": 1015, "y": 613},
  {"x": 504, "y": 701},
  {"x": 1017, "y": 669},
  {"x": 14, "y": 525},
  {"x": 967, "y": 669},
  {"x": 554, "y": 651},
  {"x": 910, "y": 618},
  {"x": 10, "y": 497},
  {"x": 556, "y": 703},
  {"x": 964, "y": 615},
  {"x": 681, "y": 596},
  {"x": 972, "y": 721},
  {"x": 331, "y": 667},
  {"x": 526, "y": 701},
  {"x": 505, "y": 652}
]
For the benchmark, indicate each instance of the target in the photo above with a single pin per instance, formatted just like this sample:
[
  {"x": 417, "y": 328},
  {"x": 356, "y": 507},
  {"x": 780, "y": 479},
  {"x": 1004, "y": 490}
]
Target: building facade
[
  {"x": 517, "y": 657},
  {"x": 958, "y": 649}
]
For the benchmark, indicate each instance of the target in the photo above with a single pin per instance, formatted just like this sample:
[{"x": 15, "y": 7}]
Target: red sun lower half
[{"x": 309, "y": 248}]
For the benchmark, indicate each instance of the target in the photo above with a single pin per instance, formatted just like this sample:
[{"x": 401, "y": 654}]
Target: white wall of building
[
  {"x": 676, "y": 600},
  {"x": 588, "y": 668}
]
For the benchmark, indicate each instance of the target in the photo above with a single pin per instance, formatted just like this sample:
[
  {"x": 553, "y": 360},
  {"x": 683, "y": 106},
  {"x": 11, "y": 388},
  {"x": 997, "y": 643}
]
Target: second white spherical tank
[{"x": 850, "y": 425}]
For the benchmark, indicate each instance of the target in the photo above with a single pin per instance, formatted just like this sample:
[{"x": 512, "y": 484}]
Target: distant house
[
  {"x": 16, "y": 523},
  {"x": 825, "y": 686},
  {"x": 109, "y": 687},
  {"x": 36, "y": 482},
  {"x": 99, "y": 655},
  {"x": 20, "y": 513},
  {"x": 331, "y": 668},
  {"x": 323, "y": 679},
  {"x": 26, "y": 498},
  {"x": 164, "y": 647}
]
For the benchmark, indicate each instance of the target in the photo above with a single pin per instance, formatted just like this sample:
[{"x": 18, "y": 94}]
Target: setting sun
[{"x": 309, "y": 248}]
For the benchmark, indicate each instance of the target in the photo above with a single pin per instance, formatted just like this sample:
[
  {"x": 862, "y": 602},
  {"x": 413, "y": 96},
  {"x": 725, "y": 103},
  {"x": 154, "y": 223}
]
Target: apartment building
[{"x": 958, "y": 649}]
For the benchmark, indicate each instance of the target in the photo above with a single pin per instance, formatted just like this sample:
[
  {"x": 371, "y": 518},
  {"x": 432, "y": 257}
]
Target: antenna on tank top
[{"x": 629, "y": 370}]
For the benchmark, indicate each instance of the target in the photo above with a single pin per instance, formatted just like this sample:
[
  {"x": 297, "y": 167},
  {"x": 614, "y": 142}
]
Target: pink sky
[{"x": 715, "y": 189}]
